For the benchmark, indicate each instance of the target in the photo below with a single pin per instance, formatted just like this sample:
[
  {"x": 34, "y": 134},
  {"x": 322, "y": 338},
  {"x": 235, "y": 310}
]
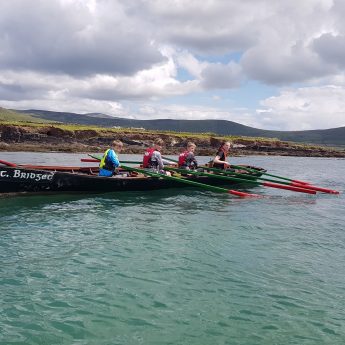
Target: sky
[{"x": 270, "y": 64}]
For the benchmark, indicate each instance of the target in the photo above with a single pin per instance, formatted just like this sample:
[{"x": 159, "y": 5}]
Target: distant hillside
[
  {"x": 334, "y": 136},
  {"x": 12, "y": 115}
]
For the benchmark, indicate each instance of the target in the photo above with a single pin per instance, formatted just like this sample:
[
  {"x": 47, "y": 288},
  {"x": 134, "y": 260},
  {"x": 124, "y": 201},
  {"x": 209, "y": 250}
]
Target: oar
[
  {"x": 241, "y": 180},
  {"x": 193, "y": 183},
  {"x": 277, "y": 182},
  {"x": 265, "y": 173},
  {"x": 9, "y": 164},
  {"x": 291, "y": 184},
  {"x": 95, "y": 157},
  {"x": 98, "y": 158},
  {"x": 169, "y": 159},
  {"x": 94, "y": 160}
]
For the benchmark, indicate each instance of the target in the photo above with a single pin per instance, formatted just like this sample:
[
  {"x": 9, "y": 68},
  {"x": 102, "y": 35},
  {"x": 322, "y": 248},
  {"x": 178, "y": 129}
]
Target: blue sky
[{"x": 272, "y": 65}]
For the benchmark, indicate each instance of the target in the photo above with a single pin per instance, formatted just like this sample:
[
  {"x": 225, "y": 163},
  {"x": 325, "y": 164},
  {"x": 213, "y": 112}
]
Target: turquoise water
[{"x": 176, "y": 266}]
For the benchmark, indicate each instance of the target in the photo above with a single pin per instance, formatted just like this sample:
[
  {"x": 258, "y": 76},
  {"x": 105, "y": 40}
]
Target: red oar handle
[
  {"x": 89, "y": 160},
  {"x": 295, "y": 189},
  {"x": 9, "y": 164},
  {"x": 319, "y": 189}
]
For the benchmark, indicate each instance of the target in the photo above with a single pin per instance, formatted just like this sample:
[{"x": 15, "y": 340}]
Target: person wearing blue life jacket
[{"x": 110, "y": 160}]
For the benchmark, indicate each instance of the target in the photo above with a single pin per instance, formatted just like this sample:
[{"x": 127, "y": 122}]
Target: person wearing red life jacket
[
  {"x": 219, "y": 161},
  {"x": 186, "y": 159},
  {"x": 153, "y": 159}
]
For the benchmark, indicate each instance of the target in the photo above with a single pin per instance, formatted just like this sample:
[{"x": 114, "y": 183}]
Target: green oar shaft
[
  {"x": 170, "y": 159},
  {"x": 265, "y": 173},
  {"x": 248, "y": 177},
  {"x": 293, "y": 184},
  {"x": 186, "y": 181},
  {"x": 236, "y": 179},
  {"x": 221, "y": 177},
  {"x": 177, "y": 179}
]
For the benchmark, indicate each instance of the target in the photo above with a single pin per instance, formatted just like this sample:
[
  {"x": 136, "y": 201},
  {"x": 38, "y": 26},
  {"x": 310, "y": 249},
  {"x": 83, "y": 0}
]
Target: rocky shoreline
[{"x": 55, "y": 138}]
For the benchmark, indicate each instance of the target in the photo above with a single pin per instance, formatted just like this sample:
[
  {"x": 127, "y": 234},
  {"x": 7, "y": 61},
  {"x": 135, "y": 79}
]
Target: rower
[
  {"x": 110, "y": 161},
  {"x": 187, "y": 159},
  {"x": 219, "y": 161},
  {"x": 153, "y": 159}
]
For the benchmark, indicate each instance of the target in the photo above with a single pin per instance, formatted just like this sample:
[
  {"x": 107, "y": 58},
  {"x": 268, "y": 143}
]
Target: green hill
[
  {"x": 332, "y": 136},
  {"x": 7, "y": 115}
]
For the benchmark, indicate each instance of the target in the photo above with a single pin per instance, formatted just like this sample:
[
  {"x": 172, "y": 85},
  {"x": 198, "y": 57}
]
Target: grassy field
[
  {"x": 9, "y": 117},
  {"x": 27, "y": 122},
  {"x": 12, "y": 116}
]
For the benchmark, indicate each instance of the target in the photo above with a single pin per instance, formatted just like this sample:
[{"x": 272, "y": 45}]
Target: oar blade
[
  {"x": 316, "y": 188},
  {"x": 295, "y": 189},
  {"x": 243, "y": 194}
]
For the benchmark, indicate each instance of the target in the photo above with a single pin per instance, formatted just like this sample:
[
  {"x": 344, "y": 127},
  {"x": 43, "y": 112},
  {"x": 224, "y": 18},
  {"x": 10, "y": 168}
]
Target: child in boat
[
  {"x": 110, "y": 161},
  {"x": 219, "y": 161},
  {"x": 187, "y": 159},
  {"x": 153, "y": 159}
]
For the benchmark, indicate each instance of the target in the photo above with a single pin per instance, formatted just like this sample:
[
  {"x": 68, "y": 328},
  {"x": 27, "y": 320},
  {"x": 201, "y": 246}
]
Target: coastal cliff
[{"x": 43, "y": 138}]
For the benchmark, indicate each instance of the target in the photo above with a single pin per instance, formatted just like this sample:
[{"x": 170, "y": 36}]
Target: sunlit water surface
[{"x": 179, "y": 266}]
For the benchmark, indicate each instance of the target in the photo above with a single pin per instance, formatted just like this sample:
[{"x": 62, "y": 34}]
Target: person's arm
[
  {"x": 190, "y": 160},
  {"x": 219, "y": 159},
  {"x": 167, "y": 162},
  {"x": 156, "y": 156},
  {"x": 112, "y": 156}
]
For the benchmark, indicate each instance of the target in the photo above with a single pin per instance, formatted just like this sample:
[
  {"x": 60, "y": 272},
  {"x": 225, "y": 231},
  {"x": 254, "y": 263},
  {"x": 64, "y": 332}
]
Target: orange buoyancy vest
[{"x": 147, "y": 162}]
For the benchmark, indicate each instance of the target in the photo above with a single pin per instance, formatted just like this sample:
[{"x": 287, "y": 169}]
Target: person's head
[
  {"x": 117, "y": 145},
  {"x": 158, "y": 144},
  {"x": 225, "y": 145},
  {"x": 191, "y": 147}
]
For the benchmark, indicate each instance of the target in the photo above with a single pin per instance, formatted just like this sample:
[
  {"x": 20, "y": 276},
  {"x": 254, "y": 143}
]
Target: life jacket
[
  {"x": 182, "y": 158},
  {"x": 147, "y": 162},
  {"x": 218, "y": 165},
  {"x": 106, "y": 163}
]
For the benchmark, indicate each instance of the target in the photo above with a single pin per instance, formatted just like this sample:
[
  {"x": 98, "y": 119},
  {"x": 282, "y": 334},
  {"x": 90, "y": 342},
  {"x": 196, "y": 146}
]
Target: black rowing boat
[{"x": 39, "y": 179}]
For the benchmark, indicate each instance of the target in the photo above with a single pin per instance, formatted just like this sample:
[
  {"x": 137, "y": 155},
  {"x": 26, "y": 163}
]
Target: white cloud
[
  {"x": 304, "y": 108},
  {"x": 74, "y": 37},
  {"x": 105, "y": 53},
  {"x": 220, "y": 76},
  {"x": 191, "y": 64}
]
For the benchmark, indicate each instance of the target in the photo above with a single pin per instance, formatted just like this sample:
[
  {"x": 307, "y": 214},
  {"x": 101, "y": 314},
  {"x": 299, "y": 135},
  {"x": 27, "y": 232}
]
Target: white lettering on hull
[{"x": 22, "y": 175}]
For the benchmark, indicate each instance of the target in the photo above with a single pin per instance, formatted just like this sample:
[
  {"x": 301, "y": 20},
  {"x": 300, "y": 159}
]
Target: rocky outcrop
[
  {"x": 10, "y": 133},
  {"x": 47, "y": 138}
]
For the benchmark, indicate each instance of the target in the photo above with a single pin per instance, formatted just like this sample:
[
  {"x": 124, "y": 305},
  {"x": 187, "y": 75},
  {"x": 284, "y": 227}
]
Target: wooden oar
[
  {"x": 193, "y": 183},
  {"x": 291, "y": 184},
  {"x": 241, "y": 180}
]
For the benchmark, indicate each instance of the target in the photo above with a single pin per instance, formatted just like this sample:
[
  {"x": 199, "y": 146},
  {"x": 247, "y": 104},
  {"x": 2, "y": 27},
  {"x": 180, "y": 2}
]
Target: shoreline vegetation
[{"x": 45, "y": 137}]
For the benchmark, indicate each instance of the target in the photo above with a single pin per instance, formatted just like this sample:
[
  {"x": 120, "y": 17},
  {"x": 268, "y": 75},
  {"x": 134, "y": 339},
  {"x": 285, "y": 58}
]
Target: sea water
[{"x": 183, "y": 266}]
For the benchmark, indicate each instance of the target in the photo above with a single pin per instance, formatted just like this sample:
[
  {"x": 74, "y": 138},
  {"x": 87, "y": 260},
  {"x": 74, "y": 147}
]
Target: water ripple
[{"x": 172, "y": 267}]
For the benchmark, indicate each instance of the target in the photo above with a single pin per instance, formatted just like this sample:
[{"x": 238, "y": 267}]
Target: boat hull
[{"x": 19, "y": 180}]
